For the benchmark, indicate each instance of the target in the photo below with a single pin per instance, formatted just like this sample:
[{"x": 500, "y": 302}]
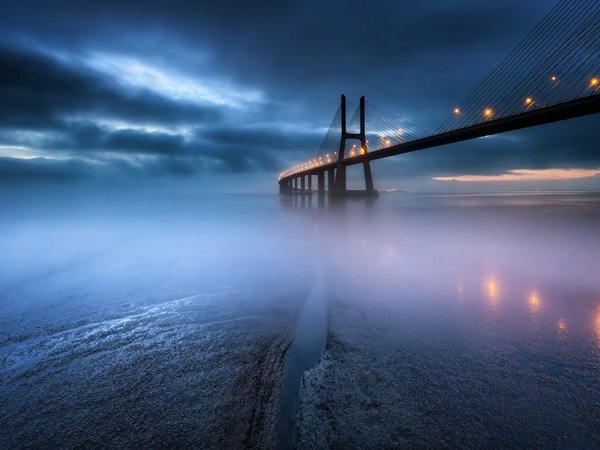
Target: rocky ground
[
  {"x": 203, "y": 370},
  {"x": 390, "y": 378}
]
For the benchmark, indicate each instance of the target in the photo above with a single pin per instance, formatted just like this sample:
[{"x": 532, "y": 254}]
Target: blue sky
[{"x": 222, "y": 96}]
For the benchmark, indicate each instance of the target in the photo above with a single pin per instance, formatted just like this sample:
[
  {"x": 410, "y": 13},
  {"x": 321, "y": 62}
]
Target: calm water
[{"x": 451, "y": 320}]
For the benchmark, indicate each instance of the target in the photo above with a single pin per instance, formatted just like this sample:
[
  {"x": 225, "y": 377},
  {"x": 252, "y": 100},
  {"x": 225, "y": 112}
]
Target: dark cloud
[
  {"x": 417, "y": 59},
  {"x": 136, "y": 141},
  {"x": 38, "y": 91},
  {"x": 379, "y": 48}
]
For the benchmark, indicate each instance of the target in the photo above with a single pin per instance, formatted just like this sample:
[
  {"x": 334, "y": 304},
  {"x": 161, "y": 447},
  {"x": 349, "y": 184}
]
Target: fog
[{"x": 165, "y": 320}]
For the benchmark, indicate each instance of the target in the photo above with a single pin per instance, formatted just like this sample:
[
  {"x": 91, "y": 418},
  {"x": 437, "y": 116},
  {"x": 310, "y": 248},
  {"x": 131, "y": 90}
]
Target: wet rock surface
[
  {"x": 196, "y": 371},
  {"x": 382, "y": 388}
]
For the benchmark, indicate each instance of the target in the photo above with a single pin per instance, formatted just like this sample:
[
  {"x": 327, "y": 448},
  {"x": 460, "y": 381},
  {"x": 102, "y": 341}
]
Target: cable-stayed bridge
[{"x": 552, "y": 75}]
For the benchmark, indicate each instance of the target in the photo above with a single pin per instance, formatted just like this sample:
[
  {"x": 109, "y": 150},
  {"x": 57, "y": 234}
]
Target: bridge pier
[
  {"x": 340, "y": 172},
  {"x": 340, "y": 179},
  {"x": 321, "y": 182},
  {"x": 330, "y": 180},
  {"x": 302, "y": 185},
  {"x": 368, "y": 177},
  {"x": 310, "y": 183},
  {"x": 285, "y": 187}
]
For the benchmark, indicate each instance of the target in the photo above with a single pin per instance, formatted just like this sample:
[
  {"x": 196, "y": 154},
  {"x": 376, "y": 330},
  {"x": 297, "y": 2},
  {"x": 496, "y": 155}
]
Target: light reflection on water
[
  {"x": 477, "y": 314},
  {"x": 525, "y": 261},
  {"x": 597, "y": 324},
  {"x": 492, "y": 293},
  {"x": 534, "y": 303},
  {"x": 563, "y": 328}
]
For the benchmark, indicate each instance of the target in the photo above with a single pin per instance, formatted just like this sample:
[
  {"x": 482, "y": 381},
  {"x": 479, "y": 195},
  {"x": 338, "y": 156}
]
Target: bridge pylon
[{"x": 340, "y": 172}]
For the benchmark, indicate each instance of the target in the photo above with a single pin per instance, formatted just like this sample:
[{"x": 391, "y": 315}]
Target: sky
[{"x": 221, "y": 96}]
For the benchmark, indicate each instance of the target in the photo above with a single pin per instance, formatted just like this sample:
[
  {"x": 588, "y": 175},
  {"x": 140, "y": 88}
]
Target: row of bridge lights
[
  {"x": 489, "y": 112},
  {"x": 320, "y": 161},
  {"x": 316, "y": 162}
]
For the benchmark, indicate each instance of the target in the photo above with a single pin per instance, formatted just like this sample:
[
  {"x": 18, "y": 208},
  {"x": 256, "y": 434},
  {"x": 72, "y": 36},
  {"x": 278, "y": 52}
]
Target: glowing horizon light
[{"x": 527, "y": 175}]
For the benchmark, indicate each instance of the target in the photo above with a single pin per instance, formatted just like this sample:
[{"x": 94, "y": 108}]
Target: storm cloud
[{"x": 134, "y": 92}]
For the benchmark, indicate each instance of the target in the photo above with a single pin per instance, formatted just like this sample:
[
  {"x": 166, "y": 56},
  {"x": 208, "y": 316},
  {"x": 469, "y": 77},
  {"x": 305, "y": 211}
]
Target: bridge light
[
  {"x": 528, "y": 101},
  {"x": 487, "y": 112},
  {"x": 362, "y": 151},
  {"x": 400, "y": 130},
  {"x": 553, "y": 78},
  {"x": 594, "y": 82},
  {"x": 457, "y": 111},
  {"x": 352, "y": 152}
]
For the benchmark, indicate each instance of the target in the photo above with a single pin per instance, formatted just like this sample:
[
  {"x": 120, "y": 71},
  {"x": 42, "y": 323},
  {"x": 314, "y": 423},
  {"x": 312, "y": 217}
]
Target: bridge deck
[{"x": 562, "y": 111}]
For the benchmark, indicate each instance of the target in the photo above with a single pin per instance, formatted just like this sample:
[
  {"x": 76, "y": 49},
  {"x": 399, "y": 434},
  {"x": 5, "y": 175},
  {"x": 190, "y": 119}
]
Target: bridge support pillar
[
  {"x": 368, "y": 177},
  {"x": 296, "y": 185},
  {"x": 310, "y": 183},
  {"x": 321, "y": 182},
  {"x": 340, "y": 173},
  {"x": 285, "y": 187},
  {"x": 330, "y": 180},
  {"x": 302, "y": 185},
  {"x": 340, "y": 178}
]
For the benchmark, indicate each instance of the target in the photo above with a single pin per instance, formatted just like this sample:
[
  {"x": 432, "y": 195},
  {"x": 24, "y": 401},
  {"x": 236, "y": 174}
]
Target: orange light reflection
[
  {"x": 597, "y": 325},
  {"x": 491, "y": 286},
  {"x": 562, "y": 328},
  {"x": 534, "y": 302}
]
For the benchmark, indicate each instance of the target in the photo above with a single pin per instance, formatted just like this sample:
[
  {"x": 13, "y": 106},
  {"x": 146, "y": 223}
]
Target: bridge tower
[{"x": 340, "y": 172}]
